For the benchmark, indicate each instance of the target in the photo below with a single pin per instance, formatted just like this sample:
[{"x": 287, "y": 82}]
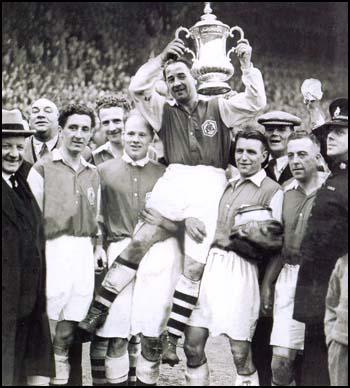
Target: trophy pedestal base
[{"x": 211, "y": 88}]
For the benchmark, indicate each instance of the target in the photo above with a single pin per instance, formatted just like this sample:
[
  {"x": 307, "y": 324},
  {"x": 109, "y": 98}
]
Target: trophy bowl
[{"x": 212, "y": 66}]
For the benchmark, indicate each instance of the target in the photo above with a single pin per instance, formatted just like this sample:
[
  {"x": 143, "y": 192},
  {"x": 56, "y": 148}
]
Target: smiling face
[
  {"x": 12, "y": 153},
  {"x": 44, "y": 117},
  {"x": 249, "y": 155},
  {"x": 337, "y": 143},
  {"x": 277, "y": 138},
  {"x": 303, "y": 158},
  {"x": 137, "y": 137},
  {"x": 112, "y": 122},
  {"x": 76, "y": 133},
  {"x": 181, "y": 84}
]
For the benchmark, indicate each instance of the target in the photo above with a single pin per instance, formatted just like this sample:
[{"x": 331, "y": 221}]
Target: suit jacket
[
  {"x": 286, "y": 174},
  {"x": 325, "y": 240},
  {"x": 23, "y": 284}
]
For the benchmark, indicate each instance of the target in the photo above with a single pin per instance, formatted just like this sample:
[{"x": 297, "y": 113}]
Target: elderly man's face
[
  {"x": 337, "y": 143},
  {"x": 12, "y": 153},
  {"x": 44, "y": 117},
  {"x": 302, "y": 158}
]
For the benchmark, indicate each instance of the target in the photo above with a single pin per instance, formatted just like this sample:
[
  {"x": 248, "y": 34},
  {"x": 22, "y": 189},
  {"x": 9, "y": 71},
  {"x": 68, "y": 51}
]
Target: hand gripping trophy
[{"x": 211, "y": 64}]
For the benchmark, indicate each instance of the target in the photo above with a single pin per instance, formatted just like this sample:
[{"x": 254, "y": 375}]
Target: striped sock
[
  {"x": 98, "y": 352},
  {"x": 117, "y": 278},
  {"x": 134, "y": 350},
  {"x": 184, "y": 300}
]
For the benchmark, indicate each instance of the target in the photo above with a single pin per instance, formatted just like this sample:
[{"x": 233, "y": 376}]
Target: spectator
[{"x": 27, "y": 353}]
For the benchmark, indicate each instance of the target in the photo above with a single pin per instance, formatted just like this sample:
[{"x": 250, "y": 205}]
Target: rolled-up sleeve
[
  {"x": 142, "y": 91},
  {"x": 244, "y": 106}
]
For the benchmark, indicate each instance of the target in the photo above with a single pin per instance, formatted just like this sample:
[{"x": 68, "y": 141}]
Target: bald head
[{"x": 44, "y": 119}]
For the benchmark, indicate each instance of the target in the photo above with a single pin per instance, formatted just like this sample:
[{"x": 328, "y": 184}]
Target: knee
[
  {"x": 193, "y": 270},
  {"x": 64, "y": 336},
  {"x": 195, "y": 354},
  {"x": 117, "y": 347},
  {"x": 151, "y": 348},
  {"x": 98, "y": 347},
  {"x": 282, "y": 370},
  {"x": 240, "y": 354}
]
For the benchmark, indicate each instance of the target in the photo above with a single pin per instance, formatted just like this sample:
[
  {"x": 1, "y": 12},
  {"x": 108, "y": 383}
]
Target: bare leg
[{"x": 197, "y": 371}]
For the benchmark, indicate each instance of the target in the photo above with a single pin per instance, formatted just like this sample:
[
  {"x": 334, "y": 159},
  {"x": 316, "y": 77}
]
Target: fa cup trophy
[{"x": 211, "y": 64}]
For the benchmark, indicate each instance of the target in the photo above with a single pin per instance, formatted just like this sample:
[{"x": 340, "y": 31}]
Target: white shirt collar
[
  {"x": 140, "y": 163},
  {"x": 281, "y": 162},
  {"x": 57, "y": 155},
  {"x": 6, "y": 177},
  {"x": 104, "y": 147},
  {"x": 50, "y": 144},
  {"x": 257, "y": 178}
]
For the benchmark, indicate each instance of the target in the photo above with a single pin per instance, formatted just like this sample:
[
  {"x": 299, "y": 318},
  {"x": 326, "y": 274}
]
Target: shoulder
[
  {"x": 115, "y": 166},
  {"x": 270, "y": 184},
  {"x": 41, "y": 164},
  {"x": 156, "y": 166}
]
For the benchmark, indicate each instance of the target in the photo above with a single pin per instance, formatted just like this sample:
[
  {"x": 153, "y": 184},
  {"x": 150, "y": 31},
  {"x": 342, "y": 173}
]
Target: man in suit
[
  {"x": 27, "y": 353},
  {"x": 278, "y": 126}
]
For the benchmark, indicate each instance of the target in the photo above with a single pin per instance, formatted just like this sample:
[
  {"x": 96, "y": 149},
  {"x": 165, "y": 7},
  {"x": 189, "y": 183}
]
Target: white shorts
[
  {"x": 156, "y": 279},
  {"x": 229, "y": 298},
  {"x": 70, "y": 277},
  {"x": 190, "y": 191},
  {"x": 144, "y": 305},
  {"x": 286, "y": 331}
]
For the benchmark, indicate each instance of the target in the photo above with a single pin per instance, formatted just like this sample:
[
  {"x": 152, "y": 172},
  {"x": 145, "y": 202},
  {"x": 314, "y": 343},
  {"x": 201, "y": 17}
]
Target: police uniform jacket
[
  {"x": 23, "y": 286},
  {"x": 325, "y": 240}
]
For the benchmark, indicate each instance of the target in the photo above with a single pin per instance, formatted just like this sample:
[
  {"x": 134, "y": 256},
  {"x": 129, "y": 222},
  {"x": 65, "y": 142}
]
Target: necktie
[
  {"x": 44, "y": 150},
  {"x": 13, "y": 181},
  {"x": 271, "y": 168}
]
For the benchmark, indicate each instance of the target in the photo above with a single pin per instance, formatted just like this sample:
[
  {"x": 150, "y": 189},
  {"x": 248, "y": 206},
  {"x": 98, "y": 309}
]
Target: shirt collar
[
  {"x": 294, "y": 184},
  {"x": 6, "y": 177},
  {"x": 257, "y": 178},
  {"x": 50, "y": 143},
  {"x": 104, "y": 147},
  {"x": 57, "y": 155},
  {"x": 140, "y": 163},
  {"x": 281, "y": 162}
]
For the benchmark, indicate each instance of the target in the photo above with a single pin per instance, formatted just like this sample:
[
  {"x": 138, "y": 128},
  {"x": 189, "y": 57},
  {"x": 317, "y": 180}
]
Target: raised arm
[
  {"x": 142, "y": 86},
  {"x": 236, "y": 109}
]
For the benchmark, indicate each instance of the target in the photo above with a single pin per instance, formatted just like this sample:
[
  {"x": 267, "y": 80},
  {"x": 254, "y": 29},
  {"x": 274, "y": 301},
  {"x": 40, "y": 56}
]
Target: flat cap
[{"x": 278, "y": 117}]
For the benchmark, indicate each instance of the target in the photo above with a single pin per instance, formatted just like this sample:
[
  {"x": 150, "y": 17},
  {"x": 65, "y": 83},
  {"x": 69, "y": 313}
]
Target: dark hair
[
  {"x": 304, "y": 135},
  {"x": 184, "y": 60},
  {"x": 250, "y": 133},
  {"x": 112, "y": 101},
  {"x": 78, "y": 109}
]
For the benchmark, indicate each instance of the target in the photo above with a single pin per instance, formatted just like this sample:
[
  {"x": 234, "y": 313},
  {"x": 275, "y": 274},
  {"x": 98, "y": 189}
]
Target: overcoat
[{"x": 26, "y": 343}]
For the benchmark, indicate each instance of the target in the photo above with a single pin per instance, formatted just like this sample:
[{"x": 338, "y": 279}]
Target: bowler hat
[
  {"x": 12, "y": 123},
  {"x": 278, "y": 117}
]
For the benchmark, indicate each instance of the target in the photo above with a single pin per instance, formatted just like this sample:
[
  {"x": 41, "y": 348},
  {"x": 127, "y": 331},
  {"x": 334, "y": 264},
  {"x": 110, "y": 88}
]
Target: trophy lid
[{"x": 209, "y": 19}]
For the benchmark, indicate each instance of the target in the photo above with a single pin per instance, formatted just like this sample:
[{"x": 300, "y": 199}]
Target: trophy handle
[
  {"x": 188, "y": 34},
  {"x": 239, "y": 29}
]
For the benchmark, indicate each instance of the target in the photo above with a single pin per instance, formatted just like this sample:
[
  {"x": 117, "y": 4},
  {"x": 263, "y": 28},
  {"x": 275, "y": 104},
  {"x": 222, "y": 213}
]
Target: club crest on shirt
[
  {"x": 209, "y": 128},
  {"x": 91, "y": 196}
]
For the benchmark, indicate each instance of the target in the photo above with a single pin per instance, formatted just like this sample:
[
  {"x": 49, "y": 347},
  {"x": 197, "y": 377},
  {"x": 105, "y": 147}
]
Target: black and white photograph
[{"x": 174, "y": 193}]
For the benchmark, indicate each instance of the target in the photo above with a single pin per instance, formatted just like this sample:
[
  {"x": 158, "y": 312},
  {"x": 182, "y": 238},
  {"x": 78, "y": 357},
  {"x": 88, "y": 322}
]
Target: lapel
[
  {"x": 286, "y": 174},
  {"x": 10, "y": 202}
]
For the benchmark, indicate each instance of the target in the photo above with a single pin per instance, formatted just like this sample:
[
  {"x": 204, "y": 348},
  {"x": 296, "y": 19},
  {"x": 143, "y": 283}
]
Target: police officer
[
  {"x": 325, "y": 240},
  {"x": 278, "y": 126}
]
